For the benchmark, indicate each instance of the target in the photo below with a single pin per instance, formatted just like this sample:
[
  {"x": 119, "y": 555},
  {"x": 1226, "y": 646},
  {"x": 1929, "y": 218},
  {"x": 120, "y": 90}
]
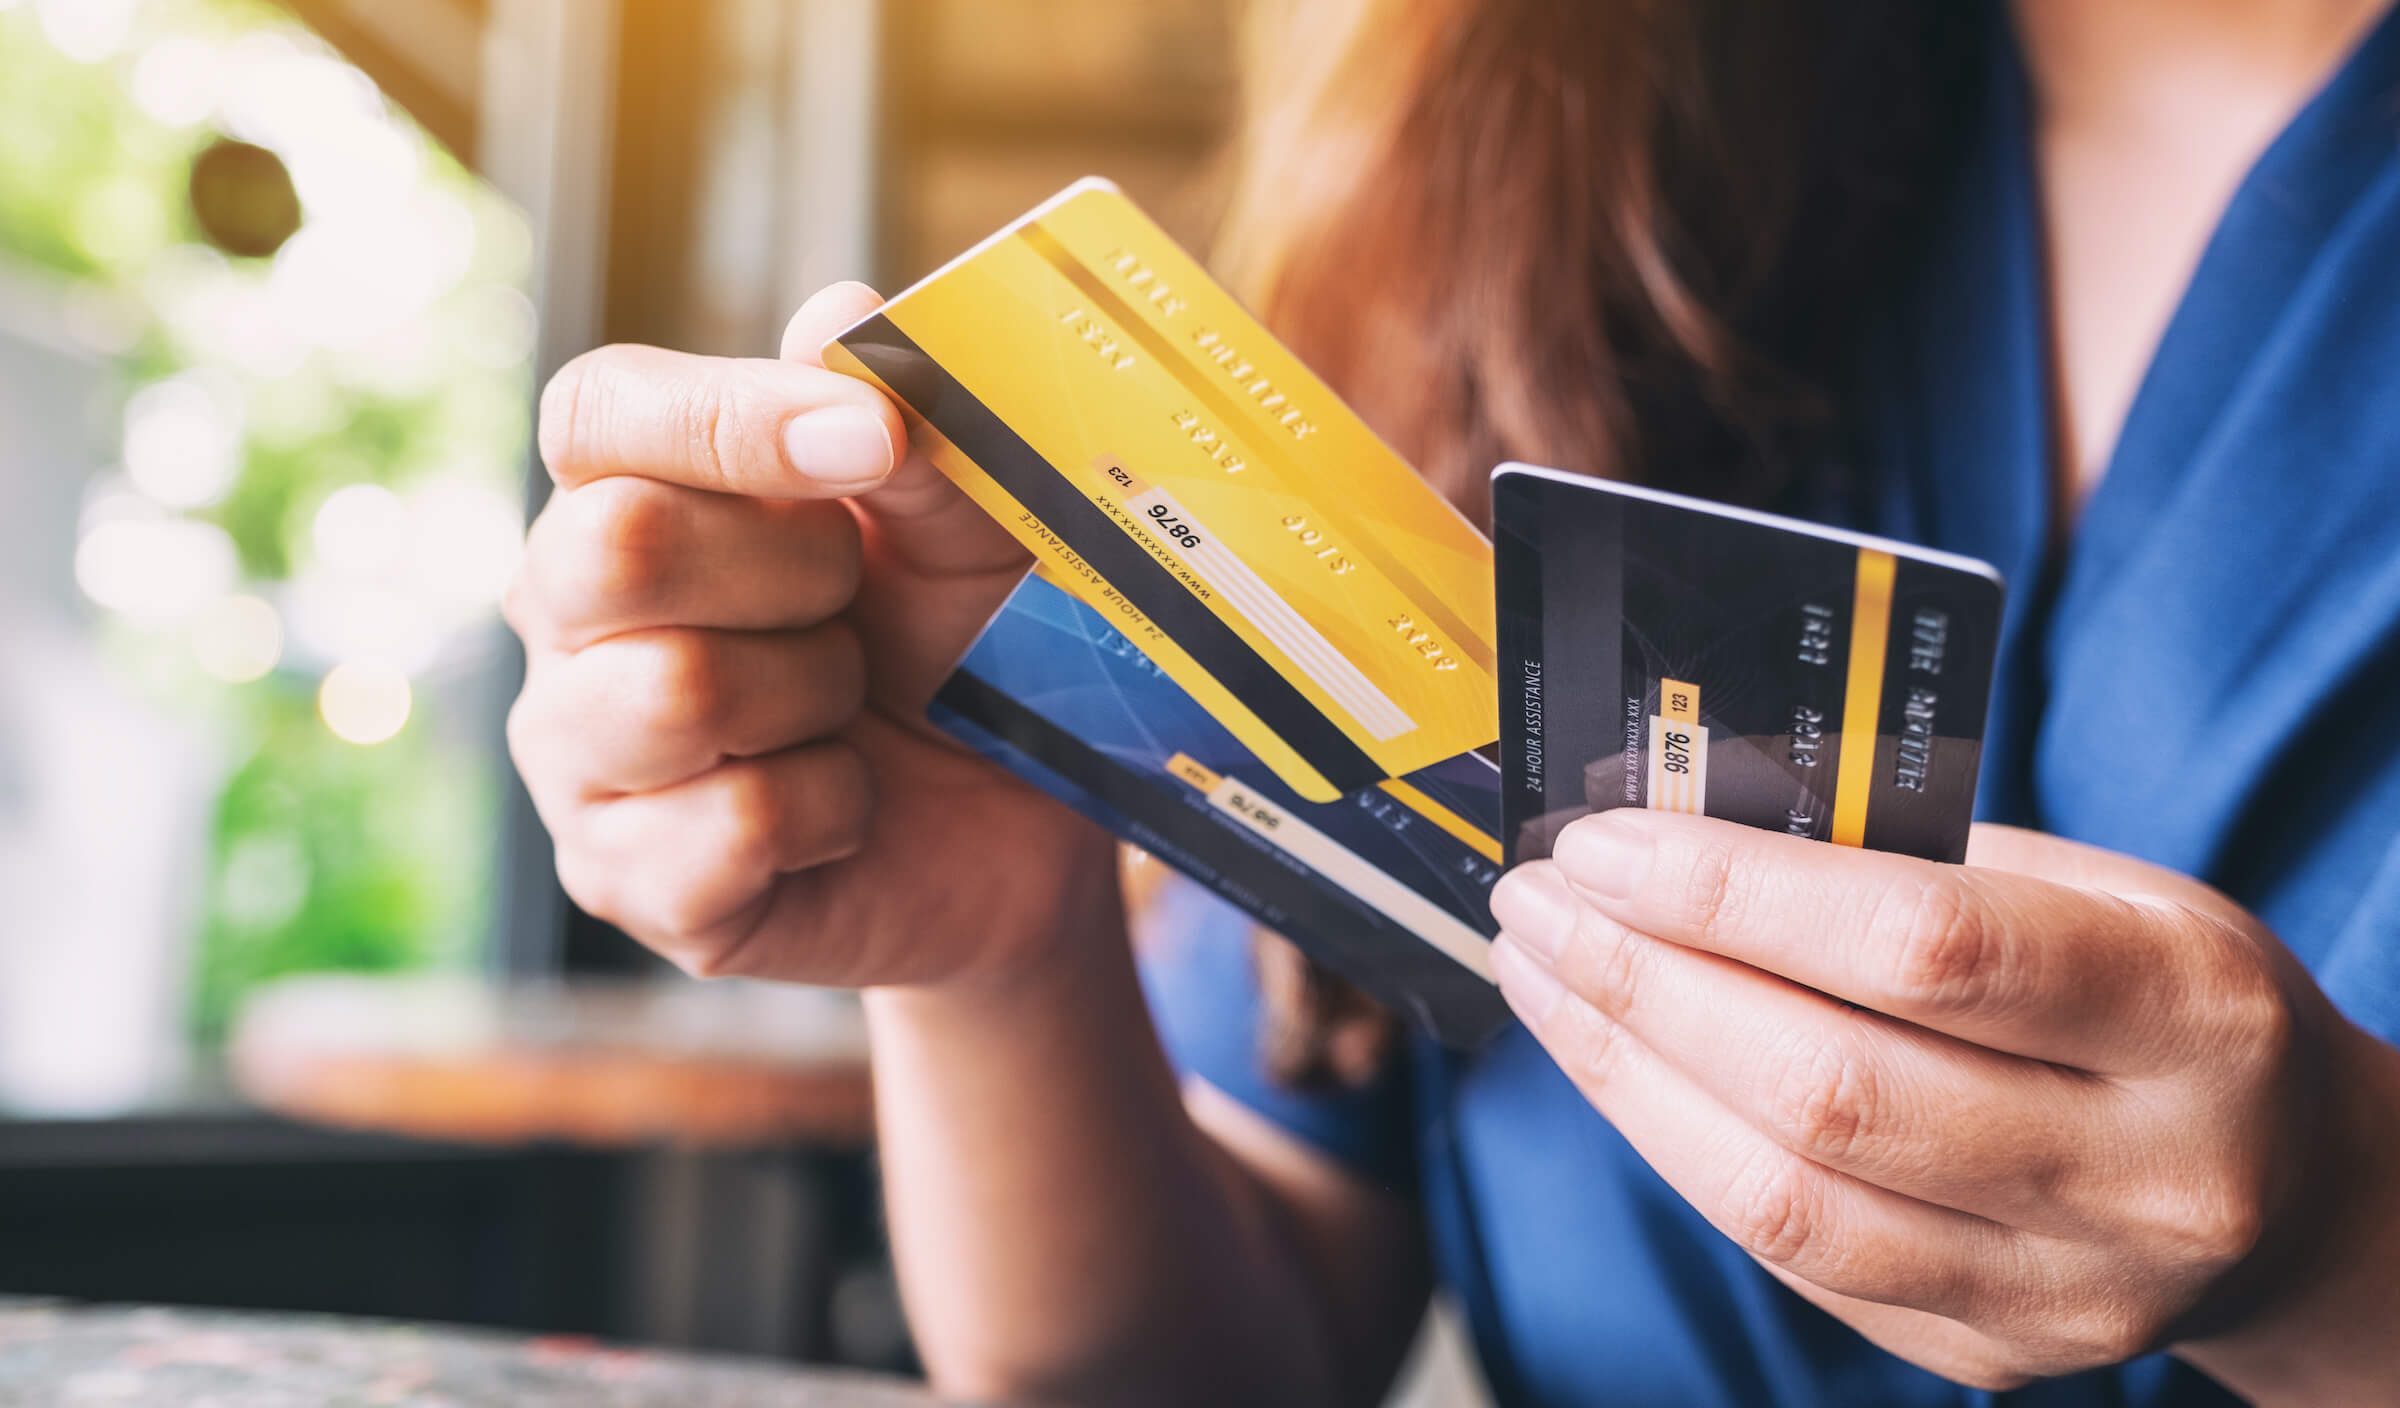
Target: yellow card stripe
[
  {"x": 1471, "y": 644},
  {"x": 1416, "y": 801},
  {"x": 1679, "y": 701},
  {"x": 1870, "y": 636},
  {"x": 1198, "y": 774},
  {"x": 1678, "y": 789},
  {"x": 1193, "y": 771}
]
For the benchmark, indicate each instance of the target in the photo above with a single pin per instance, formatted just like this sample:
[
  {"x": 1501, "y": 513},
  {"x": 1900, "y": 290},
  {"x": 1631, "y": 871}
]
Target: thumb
[{"x": 937, "y": 565}]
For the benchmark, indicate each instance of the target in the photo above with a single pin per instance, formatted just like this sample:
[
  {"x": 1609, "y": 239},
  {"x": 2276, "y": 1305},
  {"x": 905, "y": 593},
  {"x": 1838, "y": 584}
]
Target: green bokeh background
[{"x": 325, "y": 855}]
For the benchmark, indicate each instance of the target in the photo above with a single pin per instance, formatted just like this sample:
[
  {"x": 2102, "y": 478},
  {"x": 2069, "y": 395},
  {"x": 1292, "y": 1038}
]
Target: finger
[
  {"x": 943, "y": 564},
  {"x": 772, "y": 429},
  {"x": 1887, "y": 1102},
  {"x": 631, "y": 554},
  {"x": 2019, "y": 964},
  {"x": 1957, "y": 1352},
  {"x": 921, "y": 517},
  {"x": 644, "y": 711},
  {"x": 2065, "y": 862},
  {"x": 828, "y": 312},
  {"x": 691, "y": 870},
  {"x": 1823, "y": 1226}
]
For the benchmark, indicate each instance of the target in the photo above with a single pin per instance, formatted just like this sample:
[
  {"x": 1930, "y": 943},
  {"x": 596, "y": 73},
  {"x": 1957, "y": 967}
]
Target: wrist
[
  {"x": 1071, "y": 1003},
  {"x": 1064, "y": 908},
  {"x": 2320, "y": 1330}
]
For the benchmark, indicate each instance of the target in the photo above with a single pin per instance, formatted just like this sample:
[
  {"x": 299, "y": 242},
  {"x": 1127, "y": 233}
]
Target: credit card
[
  {"x": 1088, "y": 384},
  {"x": 1389, "y": 886},
  {"x": 1255, "y": 643},
  {"x": 1670, "y": 653}
]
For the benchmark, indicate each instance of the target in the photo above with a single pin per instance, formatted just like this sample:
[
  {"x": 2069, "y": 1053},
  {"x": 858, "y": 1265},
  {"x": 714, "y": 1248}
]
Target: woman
[{"x": 2099, "y": 291}]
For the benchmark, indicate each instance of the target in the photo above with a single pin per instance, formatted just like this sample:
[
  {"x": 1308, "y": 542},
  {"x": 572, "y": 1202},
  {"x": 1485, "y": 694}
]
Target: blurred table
[
  {"x": 609, "y": 1063},
  {"x": 745, "y": 1110},
  {"x": 51, "y": 1354}
]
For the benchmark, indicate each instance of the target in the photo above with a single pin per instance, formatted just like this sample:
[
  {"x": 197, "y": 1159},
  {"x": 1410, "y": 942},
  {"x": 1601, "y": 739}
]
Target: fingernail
[
  {"x": 1532, "y": 990},
  {"x": 841, "y": 447},
  {"x": 1607, "y": 855},
  {"x": 1535, "y": 908}
]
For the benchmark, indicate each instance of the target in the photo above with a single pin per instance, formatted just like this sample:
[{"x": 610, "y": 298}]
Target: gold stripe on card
[
  {"x": 1679, "y": 701},
  {"x": 1416, "y": 801},
  {"x": 1232, "y": 412},
  {"x": 1870, "y": 636},
  {"x": 1193, "y": 771}
]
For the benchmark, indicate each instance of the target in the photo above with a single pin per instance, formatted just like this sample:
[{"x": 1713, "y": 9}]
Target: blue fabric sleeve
[{"x": 1203, "y": 991}]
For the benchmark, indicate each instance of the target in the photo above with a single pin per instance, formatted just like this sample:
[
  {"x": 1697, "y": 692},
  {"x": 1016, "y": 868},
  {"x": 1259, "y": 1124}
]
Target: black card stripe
[{"x": 1033, "y": 481}]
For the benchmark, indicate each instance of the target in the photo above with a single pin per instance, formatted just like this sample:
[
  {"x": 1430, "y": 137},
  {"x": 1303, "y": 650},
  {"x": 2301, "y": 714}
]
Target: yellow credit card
[{"x": 1172, "y": 465}]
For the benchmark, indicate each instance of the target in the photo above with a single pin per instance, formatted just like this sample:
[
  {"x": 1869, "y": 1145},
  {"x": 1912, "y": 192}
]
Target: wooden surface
[
  {"x": 706, "y": 1065},
  {"x": 52, "y": 1354}
]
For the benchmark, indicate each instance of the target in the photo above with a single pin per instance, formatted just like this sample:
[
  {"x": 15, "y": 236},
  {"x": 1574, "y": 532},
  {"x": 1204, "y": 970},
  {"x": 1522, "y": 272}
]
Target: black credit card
[{"x": 1664, "y": 652}]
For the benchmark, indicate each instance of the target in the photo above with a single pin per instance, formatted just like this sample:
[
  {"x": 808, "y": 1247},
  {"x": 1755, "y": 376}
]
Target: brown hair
[{"x": 1623, "y": 237}]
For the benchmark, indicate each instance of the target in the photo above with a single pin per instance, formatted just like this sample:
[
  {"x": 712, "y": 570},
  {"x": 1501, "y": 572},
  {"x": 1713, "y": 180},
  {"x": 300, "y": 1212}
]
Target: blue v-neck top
[{"x": 2206, "y": 676}]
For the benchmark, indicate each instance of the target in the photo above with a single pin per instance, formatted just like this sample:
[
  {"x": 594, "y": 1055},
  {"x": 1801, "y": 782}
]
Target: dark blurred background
[{"x": 292, "y": 1014}]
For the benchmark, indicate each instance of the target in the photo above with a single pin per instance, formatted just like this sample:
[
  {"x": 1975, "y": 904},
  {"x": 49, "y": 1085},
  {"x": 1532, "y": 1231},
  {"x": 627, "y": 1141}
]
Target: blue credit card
[
  {"x": 1388, "y": 885},
  {"x": 1664, "y": 652}
]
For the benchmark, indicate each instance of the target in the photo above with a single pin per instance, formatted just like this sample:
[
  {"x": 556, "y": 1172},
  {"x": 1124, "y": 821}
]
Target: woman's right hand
[{"x": 735, "y": 609}]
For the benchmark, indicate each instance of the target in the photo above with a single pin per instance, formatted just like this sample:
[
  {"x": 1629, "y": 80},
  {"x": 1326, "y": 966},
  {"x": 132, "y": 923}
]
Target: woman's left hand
[{"x": 2039, "y": 1113}]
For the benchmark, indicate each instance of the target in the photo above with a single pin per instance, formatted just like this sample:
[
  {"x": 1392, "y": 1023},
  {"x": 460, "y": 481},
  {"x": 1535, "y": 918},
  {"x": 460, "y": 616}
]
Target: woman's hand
[
  {"x": 735, "y": 609},
  {"x": 2036, "y": 1114}
]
